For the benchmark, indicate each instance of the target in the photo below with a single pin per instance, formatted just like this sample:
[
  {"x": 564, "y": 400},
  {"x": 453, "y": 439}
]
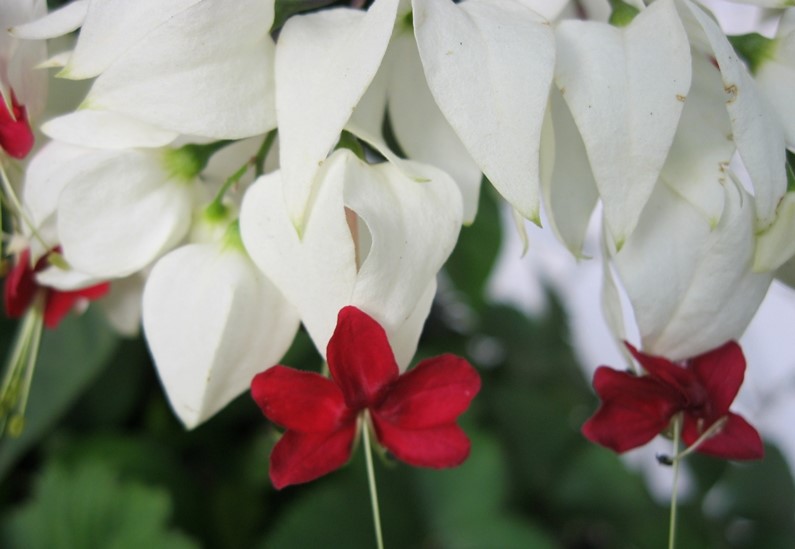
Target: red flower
[
  {"x": 414, "y": 414},
  {"x": 636, "y": 409},
  {"x": 16, "y": 137},
  {"x": 21, "y": 287}
]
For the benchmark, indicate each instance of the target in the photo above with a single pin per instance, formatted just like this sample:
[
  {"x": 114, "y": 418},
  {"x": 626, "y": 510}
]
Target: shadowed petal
[
  {"x": 721, "y": 371},
  {"x": 437, "y": 447},
  {"x": 301, "y": 457},
  {"x": 736, "y": 440},
  {"x": 663, "y": 370},
  {"x": 359, "y": 358},
  {"x": 634, "y": 410},
  {"x": 434, "y": 393},
  {"x": 300, "y": 401}
]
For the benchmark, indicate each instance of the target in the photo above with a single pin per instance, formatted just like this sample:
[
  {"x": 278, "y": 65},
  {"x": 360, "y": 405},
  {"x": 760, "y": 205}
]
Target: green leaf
[
  {"x": 89, "y": 507},
  {"x": 474, "y": 256},
  {"x": 69, "y": 360},
  {"x": 466, "y": 505}
]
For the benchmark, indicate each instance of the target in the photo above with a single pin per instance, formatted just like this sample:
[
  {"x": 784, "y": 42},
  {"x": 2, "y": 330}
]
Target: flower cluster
[{"x": 233, "y": 180}]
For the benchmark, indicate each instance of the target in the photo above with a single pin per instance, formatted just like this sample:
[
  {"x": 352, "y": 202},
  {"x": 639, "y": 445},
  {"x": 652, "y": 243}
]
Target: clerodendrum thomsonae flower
[
  {"x": 412, "y": 414},
  {"x": 635, "y": 409}
]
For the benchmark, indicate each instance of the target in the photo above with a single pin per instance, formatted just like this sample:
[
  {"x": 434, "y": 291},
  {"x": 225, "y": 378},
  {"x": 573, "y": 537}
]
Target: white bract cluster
[{"x": 163, "y": 173}]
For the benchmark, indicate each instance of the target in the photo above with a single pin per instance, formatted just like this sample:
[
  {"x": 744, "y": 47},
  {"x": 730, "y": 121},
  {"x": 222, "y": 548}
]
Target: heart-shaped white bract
[
  {"x": 569, "y": 189},
  {"x": 405, "y": 230},
  {"x": 625, "y": 89},
  {"x": 755, "y": 129},
  {"x": 691, "y": 285},
  {"x": 702, "y": 148},
  {"x": 325, "y": 62},
  {"x": 212, "y": 321},
  {"x": 205, "y": 69},
  {"x": 120, "y": 211},
  {"x": 106, "y": 130},
  {"x": 489, "y": 66},
  {"x": 776, "y": 76},
  {"x": 19, "y": 58},
  {"x": 420, "y": 128}
]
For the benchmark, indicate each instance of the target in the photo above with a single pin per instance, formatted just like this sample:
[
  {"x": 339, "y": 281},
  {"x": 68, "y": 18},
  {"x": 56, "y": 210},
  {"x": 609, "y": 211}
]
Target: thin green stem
[
  {"x": 674, "y": 490},
  {"x": 371, "y": 480},
  {"x": 262, "y": 153},
  {"x": 15, "y": 204}
]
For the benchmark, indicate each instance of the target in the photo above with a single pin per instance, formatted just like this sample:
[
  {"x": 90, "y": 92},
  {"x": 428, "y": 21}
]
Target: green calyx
[
  {"x": 188, "y": 161},
  {"x": 754, "y": 48},
  {"x": 622, "y": 14},
  {"x": 232, "y": 238}
]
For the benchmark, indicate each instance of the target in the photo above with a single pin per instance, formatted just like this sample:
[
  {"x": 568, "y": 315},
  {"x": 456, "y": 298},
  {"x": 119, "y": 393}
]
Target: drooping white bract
[
  {"x": 19, "y": 57},
  {"x": 696, "y": 167},
  {"x": 212, "y": 321},
  {"x": 419, "y": 127},
  {"x": 120, "y": 210},
  {"x": 569, "y": 190},
  {"x": 625, "y": 88},
  {"x": 325, "y": 62},
  {"x": 755, "y": 129},
  {"x": 404, "y": 230},
  {"x": 489, "y": 64},
  {"x": 776, "y": 75},
  {"x": 690, "y": 284},
  {"x": 194, "y": 67}
]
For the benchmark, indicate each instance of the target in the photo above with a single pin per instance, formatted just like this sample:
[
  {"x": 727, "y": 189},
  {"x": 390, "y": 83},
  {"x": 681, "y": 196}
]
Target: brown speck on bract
[{"x": 681, "y": 98}]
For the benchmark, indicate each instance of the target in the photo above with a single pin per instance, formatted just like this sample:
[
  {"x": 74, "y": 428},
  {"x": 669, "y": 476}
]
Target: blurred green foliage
[{"x": 105, "y": 464}]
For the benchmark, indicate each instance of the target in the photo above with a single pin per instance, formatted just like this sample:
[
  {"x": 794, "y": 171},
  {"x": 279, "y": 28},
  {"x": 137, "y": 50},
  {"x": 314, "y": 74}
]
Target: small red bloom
[
  {"x": 413, "y": 414},
  {"x": 16, "y": 137},
  {"x": 21, "y": 288},
  {"x": 636, "y": 409}
]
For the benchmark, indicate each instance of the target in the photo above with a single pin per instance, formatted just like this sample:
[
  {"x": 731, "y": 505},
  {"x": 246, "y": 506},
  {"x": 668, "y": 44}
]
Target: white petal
[
  {"x": 703, "y": 146},
  {"x": 206, "y": 71},
  {"x": 624, "y": 88},
  {"x": 420, "y": 127},
  {"x": 50, "y": 169},
  {"x": 691, "y": 286},
  {"x": 212, "y": 321},
  {"x": 65, "y": 279},
  {"x": 111, "y": 27},
  {"x": 776, "y": 245},
  {"x": 121, "y": 213},
  {"x": 106, "y": 130},
  {"x": 400, "y": 214},
  {"x": 318, "y": 274},
  {"x": 57, "y": 23},
  {"x": 759, "y": 136},
  {"x": 489, "y": 66},
  {"x": 570, "y": 193},
  {"x": 324, "y": 63},
  {"x": 122, "y": 305}
]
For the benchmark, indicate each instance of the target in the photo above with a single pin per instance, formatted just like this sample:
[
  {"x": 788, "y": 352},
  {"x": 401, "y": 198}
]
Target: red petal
[
  {"x": 300, "y": 401},
  {"x": 736, "y": 440},
  {"x": 20, "y": 286},
  {"x": 437, "y": 447},
  {"x": 721, "y": 372},
  {"x": 60, "y": 303},
  {"x": 16, "y": 137},
  {"x": 434, "y": 393},
  {"x": 359, "y": 358},
  {"x": 634, "y": 410},
  {"x": 664, "y": 370},
  {"x": 302, "y": 457}
]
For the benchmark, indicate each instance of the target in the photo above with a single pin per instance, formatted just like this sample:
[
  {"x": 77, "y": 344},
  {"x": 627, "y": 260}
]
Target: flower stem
[
  {"x": 674, "y": 490},
  {"x": 368, "y": 455}
]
